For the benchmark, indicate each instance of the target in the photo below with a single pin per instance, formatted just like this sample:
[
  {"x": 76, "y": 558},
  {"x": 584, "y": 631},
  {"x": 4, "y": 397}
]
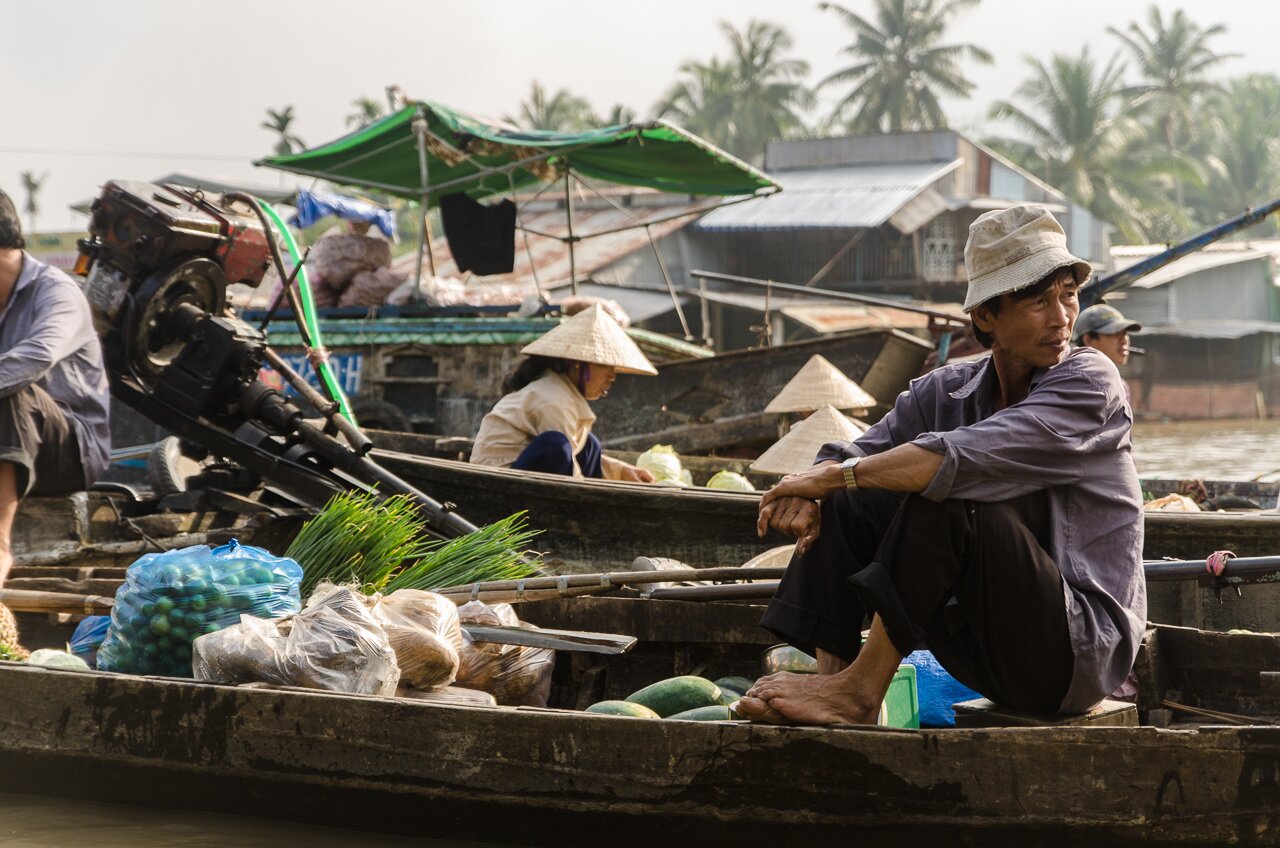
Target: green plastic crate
[{"x": 902, "y": 702}]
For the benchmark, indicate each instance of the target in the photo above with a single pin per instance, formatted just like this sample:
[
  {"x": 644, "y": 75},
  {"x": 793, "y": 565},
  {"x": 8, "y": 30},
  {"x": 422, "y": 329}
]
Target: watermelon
[
  {"x": 622, "y": 708},
  {"x": 737, "y": 685},
  {"x": 677, "y": 694},
  {"x": 716, "y": 713}
]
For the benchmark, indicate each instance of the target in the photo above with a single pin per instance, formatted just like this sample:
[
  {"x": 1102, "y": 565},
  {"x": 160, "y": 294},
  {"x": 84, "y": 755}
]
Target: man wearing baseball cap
[
  {"x": 1103, "y": 328},
  {"x": 993, "y": 516}
]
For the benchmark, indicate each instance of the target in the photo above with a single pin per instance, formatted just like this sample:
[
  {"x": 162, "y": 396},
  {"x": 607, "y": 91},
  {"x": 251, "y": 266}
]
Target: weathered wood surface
[
  {"x": 596, "y": 524},
  {"x": 688, "y": 399},
  {"x": 540, "y": 777}
]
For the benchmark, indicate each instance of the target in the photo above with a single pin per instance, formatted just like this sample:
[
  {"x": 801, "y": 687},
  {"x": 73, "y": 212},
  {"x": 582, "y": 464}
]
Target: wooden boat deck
[{"x": 554, "y": 777}]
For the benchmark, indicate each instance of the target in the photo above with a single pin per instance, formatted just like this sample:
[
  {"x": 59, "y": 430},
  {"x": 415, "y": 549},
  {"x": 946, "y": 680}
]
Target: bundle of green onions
[{"x": 382, "y": 545}]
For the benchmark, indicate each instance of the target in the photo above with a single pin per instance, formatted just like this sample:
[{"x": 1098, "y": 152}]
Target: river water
[
  {"x": 32, "y": 822},
  {"x": 1209, "y": 450}
]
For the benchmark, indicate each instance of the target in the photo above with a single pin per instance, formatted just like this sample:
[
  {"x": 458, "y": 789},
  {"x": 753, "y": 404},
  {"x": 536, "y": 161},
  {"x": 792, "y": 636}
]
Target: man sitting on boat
[
  {"x": 994, "y": 515},
  {"x": 543, "y": 422},
  {"x": 54, "y": 435}
]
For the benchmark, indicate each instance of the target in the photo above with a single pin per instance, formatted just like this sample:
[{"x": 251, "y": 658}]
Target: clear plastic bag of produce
[
  {"x": 170, "y": 599},
  {"x": 425, "y": 634},
  {"x": 334, "y": 644},
  {"x": 515, "y": 675}
]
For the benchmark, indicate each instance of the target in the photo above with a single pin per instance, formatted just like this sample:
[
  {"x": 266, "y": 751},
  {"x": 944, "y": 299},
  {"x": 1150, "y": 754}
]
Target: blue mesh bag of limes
[{"x": 170, "y": 599}]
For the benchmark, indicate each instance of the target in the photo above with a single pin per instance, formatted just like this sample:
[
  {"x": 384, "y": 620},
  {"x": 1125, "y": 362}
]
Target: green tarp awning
[{"x": 481, "y": 158}]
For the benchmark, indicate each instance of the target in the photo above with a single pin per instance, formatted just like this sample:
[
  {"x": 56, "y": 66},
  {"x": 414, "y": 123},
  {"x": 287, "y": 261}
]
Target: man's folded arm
[{"x": 1049, "y": 439}]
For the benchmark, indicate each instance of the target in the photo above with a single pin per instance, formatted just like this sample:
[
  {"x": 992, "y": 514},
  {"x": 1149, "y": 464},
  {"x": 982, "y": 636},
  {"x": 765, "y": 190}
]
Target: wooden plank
[
  {"x": 655, "y": 621},
  {"x": 559, "y": 640},
  {"x": 1219, "y": 671},
  {"x": 983, "y": 713}
]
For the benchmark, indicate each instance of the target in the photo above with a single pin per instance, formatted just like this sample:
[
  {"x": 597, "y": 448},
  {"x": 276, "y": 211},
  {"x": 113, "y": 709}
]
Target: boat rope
[
  {"x": 562, "y": 585},
  {"x": 1216, "y": 563},
  {"x": 317, "y": 356}
]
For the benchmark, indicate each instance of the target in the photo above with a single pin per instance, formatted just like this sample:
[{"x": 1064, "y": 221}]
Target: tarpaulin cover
[
  {"x": 462, "y": 151},
  {"x": 314, "y": 205}
]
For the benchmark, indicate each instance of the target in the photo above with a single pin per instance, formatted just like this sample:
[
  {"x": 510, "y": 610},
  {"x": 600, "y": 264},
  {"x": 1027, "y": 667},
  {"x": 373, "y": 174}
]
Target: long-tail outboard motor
[{"x": 157, "y": 264}]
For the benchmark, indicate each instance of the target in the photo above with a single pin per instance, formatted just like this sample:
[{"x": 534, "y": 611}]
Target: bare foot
[
  {"x": 6, "y": 563},
  {"x": 810, "y": 699}
]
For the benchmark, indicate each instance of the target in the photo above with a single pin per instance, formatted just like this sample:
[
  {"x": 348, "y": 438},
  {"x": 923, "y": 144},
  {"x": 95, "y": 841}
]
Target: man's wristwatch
[{"x": 847, "y": 469}]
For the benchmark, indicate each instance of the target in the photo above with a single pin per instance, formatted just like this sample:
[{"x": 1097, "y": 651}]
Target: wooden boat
[
  {"x": 603, "y": 524},
  {"x": 557, "y": 777},
  {"x": 703, "y": 404}
]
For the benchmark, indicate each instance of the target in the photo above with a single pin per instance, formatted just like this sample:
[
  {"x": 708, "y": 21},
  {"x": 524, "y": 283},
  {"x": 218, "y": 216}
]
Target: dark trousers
[
  {"x": 552, "y": 453},
  {"x": 971, "y": 581},
  {"x": 40, "y": 440}
]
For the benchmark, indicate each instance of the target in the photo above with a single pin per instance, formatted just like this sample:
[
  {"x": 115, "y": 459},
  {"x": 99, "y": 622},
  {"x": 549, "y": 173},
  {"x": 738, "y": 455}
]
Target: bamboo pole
[
  {"x": 573, "y": 585},
  {"x": 28, "y": 600}
]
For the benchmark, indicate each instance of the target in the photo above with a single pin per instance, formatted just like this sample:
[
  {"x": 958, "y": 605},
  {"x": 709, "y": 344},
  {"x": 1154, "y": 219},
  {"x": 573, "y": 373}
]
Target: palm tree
[
  {"x": 367, "y": 110},
  {"x": 617, "y": 114},
  {"x": 1244, "y": 150},
  {"x": 559, "y": 112},
  {"x": 1173, "y": 60},
  {"x": 754, "y": 96},
  {"x": 900, "y": 67},
  {"x": 1076, "y": 133},
  {"x": 32, "y": 184},
  {"x": 701, "y": 101},
  {"x": 279, "y": 123}
]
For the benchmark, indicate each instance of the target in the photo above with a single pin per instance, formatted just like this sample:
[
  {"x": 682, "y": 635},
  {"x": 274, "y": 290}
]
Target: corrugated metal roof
[
  {"x": 1203, "y": 260},
  {"x": 1211, "y": 329},
  {"x": 550, "y": 265},
  {"x": 831, "y": 198}
]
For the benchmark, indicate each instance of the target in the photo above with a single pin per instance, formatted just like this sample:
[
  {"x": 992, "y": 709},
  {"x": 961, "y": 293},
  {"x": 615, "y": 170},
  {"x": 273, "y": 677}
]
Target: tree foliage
[
  {"x": 560, "y": 111},
  {"x": 279, "y": 122},
  {"x": 740, "y": 102},
  {"x": 900, "y": 67}
]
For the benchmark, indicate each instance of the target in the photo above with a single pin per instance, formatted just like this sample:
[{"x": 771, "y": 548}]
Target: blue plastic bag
[
  {"x": 937, "y": 690},
  {"x": 88, "y": 637},
  {"x": 170, "y": 599}
]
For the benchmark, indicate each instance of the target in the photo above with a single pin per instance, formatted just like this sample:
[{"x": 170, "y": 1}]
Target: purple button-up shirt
[
  {"x": 1070, "y": 437},
  {"x": 47, "y": 339}
]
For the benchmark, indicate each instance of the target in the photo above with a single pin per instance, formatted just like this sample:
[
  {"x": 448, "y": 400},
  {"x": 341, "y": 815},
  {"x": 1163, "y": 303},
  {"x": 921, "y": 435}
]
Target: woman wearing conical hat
[{"x": 543, "y": 422}]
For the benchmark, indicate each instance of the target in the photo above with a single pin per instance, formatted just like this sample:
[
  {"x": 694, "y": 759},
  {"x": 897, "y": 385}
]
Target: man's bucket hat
[{"x": 1013, "y": 248}]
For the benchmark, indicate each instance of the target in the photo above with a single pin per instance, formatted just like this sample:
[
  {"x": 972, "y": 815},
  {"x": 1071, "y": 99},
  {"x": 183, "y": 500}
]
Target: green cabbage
[
  {"x": 664, "y": 464},
  {"x": 730, "y": 481}
]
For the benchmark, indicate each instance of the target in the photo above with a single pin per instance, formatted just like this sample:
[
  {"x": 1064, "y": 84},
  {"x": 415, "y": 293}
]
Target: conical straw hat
[
  {"x": 795, "y": 451},
  {"x": 819, "y": 384},
  {"x": 592, "y": 336}
]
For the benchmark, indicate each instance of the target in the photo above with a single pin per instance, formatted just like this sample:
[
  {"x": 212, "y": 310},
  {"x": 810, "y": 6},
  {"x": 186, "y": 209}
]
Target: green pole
[{"x": 308, "y": 317}]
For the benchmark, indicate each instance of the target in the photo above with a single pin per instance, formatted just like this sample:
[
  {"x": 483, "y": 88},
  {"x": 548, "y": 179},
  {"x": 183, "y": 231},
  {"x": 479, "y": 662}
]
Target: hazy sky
[{"x": 92, "y": 90}]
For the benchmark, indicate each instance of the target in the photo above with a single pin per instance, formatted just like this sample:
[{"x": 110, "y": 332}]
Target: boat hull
[
  {"x": 541, "y": 777},
  {"x": 593, "y": 525}
]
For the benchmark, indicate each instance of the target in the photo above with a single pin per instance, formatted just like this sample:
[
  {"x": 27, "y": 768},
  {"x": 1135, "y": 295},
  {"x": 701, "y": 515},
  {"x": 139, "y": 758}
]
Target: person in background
[
  {"x": 543, "y": 422},
  {"x": 54, "y": 398},
  {"x": 1103, "y": 328}
]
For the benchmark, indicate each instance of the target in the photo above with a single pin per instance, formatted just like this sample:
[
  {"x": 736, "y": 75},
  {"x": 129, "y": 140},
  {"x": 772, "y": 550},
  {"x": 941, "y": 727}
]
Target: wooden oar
[
  {"x": 570, "y": 585},
  {"x": 29, "y": 600}
]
